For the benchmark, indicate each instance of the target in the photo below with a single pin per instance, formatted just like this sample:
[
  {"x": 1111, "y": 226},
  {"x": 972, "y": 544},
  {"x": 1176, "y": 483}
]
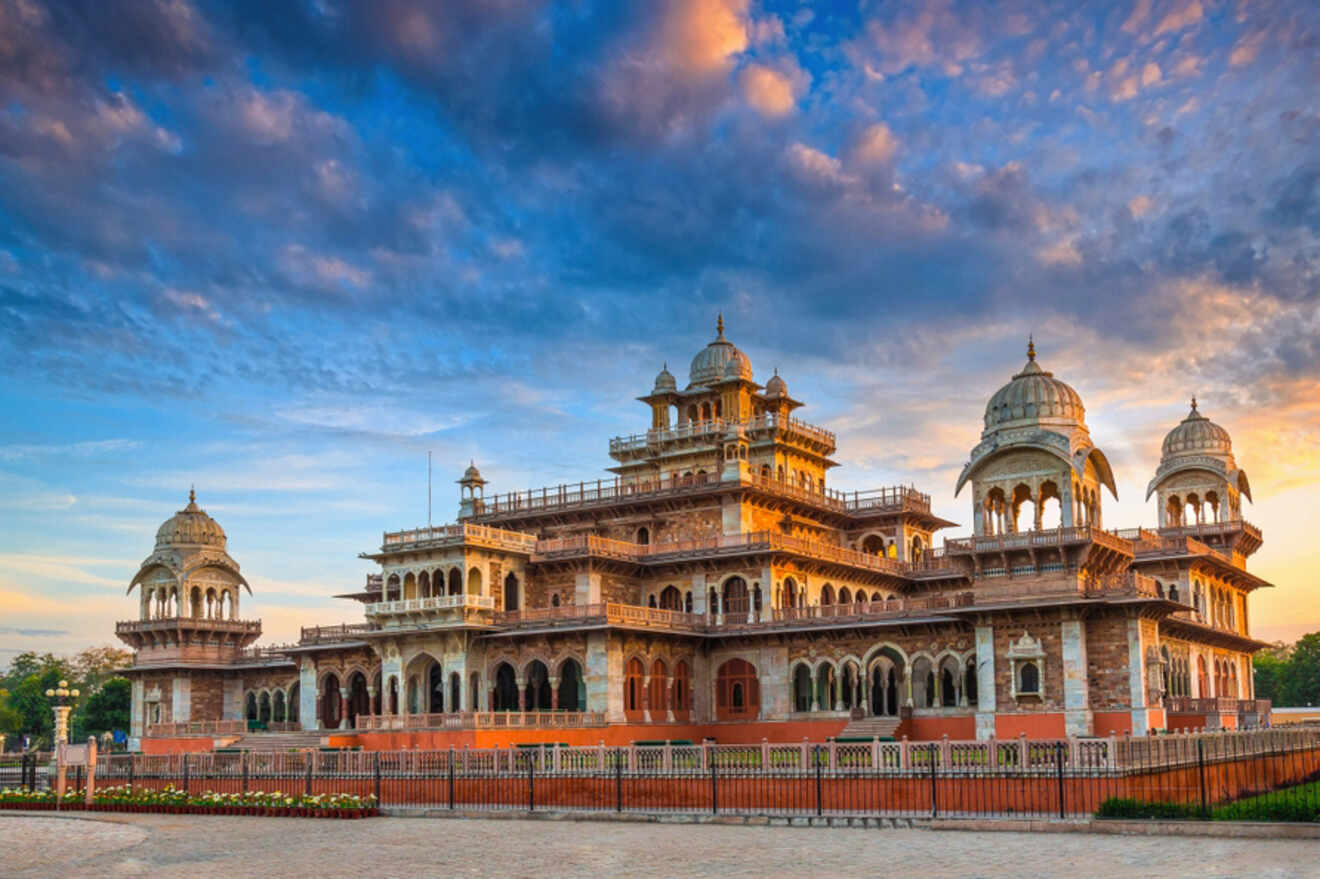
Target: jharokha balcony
[
  {"x": 455, "y": 609},
  {"x": 186, "y": 631}
]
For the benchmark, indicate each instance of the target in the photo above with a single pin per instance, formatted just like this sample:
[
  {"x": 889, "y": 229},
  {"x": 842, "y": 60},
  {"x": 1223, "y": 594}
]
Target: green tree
[
  {"x": 1269, "y": 673},
  {"x": 11, "y": 722},
  {"x": 108, "y": 708},
  {"x": 96, "y": 664},
  {"x": 1301, "y": 679}
]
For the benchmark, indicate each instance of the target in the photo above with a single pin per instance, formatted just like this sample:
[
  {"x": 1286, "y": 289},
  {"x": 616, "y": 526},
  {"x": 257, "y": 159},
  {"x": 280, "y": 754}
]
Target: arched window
[
  {"x": 424, "y": 585},
  {"x": 845, "y": 595},
  {"x": 737, "y": 691},
  {"x": 687, "y": 601},
  {"x": 735, "y": 596},
  {"x": 435, "y": 689},
  {"x": 790, "y": 592},
  {"x": 650, "y": 601},
  {"x": 474, "y": 581},
  {"x": 671, "y": 598},
  {"x": 682, "y": 690},
  {"x": 393, "y": 589},
  {"x": 970, "y": 682},
  {"x": 511, "y": 600},
  {"x": 292, "y": 708},
  {"x": 331, "y": 709},
  {"x": 1028, "y": 678},
  {"x": 643, "y": 536},
  {"x": 359, "y": 700},
  {"x": 554, "y": 600},
  {"x": 658, "y": 691},
  {"x": 1173, "y": 593},
  {"x": 827, "y": 594},
  {"x": 250, "y": 707},
  {"x": 455, "y": 581},
  {"x": 537, "y": 696},
  {"x": 455, "y": 691},
  {"x": 632, "y": 688},
  {"x": 873, "y": 544}
]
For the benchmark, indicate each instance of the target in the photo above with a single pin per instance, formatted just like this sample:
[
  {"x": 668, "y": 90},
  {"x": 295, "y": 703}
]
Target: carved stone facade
[{"x": 717, "y": 581}]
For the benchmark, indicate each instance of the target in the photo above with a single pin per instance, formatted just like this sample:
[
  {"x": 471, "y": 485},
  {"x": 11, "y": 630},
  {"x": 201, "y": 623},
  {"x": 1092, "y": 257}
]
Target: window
[
  {"x": 1028, "y": 679},
  {"x": 737, "y": 691}
]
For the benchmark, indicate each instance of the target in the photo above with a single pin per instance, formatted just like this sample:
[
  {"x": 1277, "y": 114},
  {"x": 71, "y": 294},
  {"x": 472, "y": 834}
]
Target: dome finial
[
  {"x": 1031, "y": 348},
  {"x": 1193, "y": 402},
  {"x": 719, "y": 326},
  {"x": 192, "y": 494}
]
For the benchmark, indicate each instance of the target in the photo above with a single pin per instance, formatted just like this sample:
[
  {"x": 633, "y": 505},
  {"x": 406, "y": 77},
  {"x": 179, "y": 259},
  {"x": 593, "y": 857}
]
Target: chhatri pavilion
[{"x": 715, "y": 585}]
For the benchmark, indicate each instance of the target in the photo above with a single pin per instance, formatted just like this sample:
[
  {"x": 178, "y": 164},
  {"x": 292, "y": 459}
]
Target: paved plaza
[{"x": 196, "y": 846}]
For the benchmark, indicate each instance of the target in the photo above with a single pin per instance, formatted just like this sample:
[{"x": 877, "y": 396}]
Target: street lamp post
[{"x": 62, "y": 698}]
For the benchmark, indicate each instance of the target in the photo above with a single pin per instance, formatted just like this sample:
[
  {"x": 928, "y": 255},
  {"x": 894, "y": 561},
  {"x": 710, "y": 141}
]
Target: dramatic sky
[{"x": 282, "y": 250}]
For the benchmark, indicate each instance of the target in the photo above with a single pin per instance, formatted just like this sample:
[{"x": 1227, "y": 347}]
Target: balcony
[
  {"x": 196, "y": 635},
  {"x": 464, "y": 534},
  {"x": 1029, "y": 540},
  {"x": 450, "y": 609},
  {"x": 482, "y": 720}
]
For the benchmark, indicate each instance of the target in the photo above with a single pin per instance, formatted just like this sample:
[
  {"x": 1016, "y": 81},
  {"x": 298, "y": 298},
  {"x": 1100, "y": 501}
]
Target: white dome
[
  {"x": 190, "y": 527},
  {"x": 664, "y": 382},
  {"x": 1032, "y": 397},
  {"x": 1197, "y": 435},
  {"x": 776, "y": 387}
]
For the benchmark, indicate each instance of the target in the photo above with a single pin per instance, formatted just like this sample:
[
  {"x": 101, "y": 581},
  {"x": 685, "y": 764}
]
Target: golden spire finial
[
  {"x": 1193, "y": 402},
  {"x": 192, "y": 495},
  {"x": 719, "y": 326},
  {"x": 1031, "y": 348}
]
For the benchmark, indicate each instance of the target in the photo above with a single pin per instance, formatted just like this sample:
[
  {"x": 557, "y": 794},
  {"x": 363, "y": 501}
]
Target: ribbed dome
[
  {"x": 190, "y": 527},
  {"x": 1197, "y": 435},
  {"x": 471, "y": 474},
  {"x": 1032, "y": 397},
  {"x": 664, "y": 382},
  {"x": 709, "y": 364},
  {"x": 776, "y": 387}
]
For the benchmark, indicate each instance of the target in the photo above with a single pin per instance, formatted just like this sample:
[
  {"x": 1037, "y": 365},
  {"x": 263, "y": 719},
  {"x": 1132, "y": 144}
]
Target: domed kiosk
[{"x": 1035, "y": 448}]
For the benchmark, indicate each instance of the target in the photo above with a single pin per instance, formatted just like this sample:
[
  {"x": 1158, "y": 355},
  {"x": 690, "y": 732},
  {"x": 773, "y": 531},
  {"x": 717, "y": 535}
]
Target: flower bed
[{"x": 171, "y": 800}]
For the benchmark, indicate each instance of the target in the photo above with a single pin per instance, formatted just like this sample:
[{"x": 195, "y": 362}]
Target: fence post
[
  {"x": 375, "y": 771},
  {"x": 904, "y": 754},
  {"x": 991, "y": 752},
  {"x": 1200, "y": 767},
  {"x": 308, "y": 784},
  {"x": 1024, "y": 754},
  {"x": 817, "y": 762},
  {"x": 185, "y": 774},
  {"x": 531, "y": 785},
  {"x": 1058, "y": 762},
  {"x": 714, "y": 790},
  {"x": 618, "y": 781},
  {"x": 242, "y": 758},
  {"x": 934, "y": 810},
  {"x": 451, "y": 776},
  {"x": 132, "y": 772},
  {"x": 765, "y": 753},
  {"x": 875, "y": 752}
]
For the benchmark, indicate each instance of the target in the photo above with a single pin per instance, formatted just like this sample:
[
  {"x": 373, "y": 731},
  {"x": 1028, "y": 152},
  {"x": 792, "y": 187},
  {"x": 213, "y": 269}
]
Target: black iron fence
[{"x": 1267, "y": 774}]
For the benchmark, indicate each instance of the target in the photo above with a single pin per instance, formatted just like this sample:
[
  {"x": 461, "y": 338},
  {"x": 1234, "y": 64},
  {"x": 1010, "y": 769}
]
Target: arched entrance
[
  {"x": 436, "y": 676},
  {"x": 886, "y": 681},
  {"x": 359, "y": 701},
  {"x": 331, "y": 702},
  {"x": 505, "y": 697},
  {"x": 537, "y": 692},
  {"x": 572, "y": 689},
  {"x": 802, "y": 688}
]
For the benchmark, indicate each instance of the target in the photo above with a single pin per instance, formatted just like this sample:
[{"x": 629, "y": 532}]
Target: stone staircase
[
  {"x": 278, "y": 741},
  {"x": 870, "y": 727}
]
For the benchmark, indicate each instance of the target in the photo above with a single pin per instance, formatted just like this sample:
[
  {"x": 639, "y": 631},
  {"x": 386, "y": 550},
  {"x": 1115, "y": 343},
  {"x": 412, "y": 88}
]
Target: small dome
[
  {"x": 1197, "y": 435},
  {"x": 472, "y": 474},
  {"x": 738, "y": 366},
  {"x": 776, "y": 387},
  {"x": 709, "y": 365},
  {"x": 664, "y": 382},
  {"x": 190, "y": 527},
  {"x": 1034, "y": 396}
]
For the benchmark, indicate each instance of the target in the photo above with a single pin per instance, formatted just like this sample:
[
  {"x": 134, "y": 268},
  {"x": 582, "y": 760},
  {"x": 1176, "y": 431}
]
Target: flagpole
[{"x": 428, "y": 489}]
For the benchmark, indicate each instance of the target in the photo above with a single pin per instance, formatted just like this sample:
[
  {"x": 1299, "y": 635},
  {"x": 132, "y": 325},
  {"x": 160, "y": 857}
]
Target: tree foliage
[
  {"x": 1290, "y": 676},
  {"x": 26, "y": 711}
]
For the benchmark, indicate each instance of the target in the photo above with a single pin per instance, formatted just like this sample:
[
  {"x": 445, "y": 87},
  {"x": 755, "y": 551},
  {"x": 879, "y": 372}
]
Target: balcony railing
[
  {"x": 335, "y": 634},
  {"x": 1215, "y": 705},
  {"x": 1212, "y": 528},
  {"x": 185, "y": 622},
  {"x": 196, "y": 728},
  {"x": 465, "y": 533},
  {"x": 715, "y": 427},
  {"x": 482, "y": 720},
  {"x": 1036, "y": 539},
  {"x": 608, "y": 491},
  {"x": 433, "y": 604}
]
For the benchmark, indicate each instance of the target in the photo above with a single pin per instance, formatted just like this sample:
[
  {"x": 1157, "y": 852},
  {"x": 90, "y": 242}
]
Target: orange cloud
[
  {"x": 768, "y": 91},
  {"x": 700, "y": 37}
]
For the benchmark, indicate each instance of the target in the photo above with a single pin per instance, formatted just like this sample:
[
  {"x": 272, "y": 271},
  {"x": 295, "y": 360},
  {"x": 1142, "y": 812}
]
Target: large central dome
[
  {"x": 708, "y": 367},
  {"x": 190, "y": 527},
  {"x": 1034, "y": 397}
]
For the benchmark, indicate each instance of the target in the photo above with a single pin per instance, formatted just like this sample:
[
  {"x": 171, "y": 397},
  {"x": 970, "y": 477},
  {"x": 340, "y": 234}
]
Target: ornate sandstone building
[{"x": 715, "y": 585}]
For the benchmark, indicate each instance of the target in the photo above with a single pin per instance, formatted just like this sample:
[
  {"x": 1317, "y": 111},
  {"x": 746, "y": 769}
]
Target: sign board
[{"x": 74, "y": 755}]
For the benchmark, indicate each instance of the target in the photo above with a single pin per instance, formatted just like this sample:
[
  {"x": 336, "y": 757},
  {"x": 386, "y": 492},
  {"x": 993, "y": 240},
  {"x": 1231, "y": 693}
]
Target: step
[
  {"x": 278, "y": 741},
  {"x": 870, "y": 727}
]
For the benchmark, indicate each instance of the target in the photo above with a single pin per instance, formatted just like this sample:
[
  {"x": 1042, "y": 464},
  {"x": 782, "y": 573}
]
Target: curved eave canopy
[
  {"x": 1077, "y": 463},
  {"x": 226, "y": 564}
]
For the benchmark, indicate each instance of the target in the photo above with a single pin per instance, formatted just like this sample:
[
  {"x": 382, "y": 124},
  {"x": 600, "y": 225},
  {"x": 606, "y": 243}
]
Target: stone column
[
  {"x": 985, "y": 682},
  {"x": 1076, "y": 696},
  {"x": 135, "y": 720},
  {"x": 181, "y": 700},
  {"x": 343, "y": 707},
  {"x": 586, "y": 589},
  {"x": 307, "y": 714},
  {"x": 1137, "y": 679},
  {"x": 554, "y": 694}
]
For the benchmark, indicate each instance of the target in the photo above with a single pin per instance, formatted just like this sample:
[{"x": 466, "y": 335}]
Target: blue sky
[{"x": 280, "y": 251}]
